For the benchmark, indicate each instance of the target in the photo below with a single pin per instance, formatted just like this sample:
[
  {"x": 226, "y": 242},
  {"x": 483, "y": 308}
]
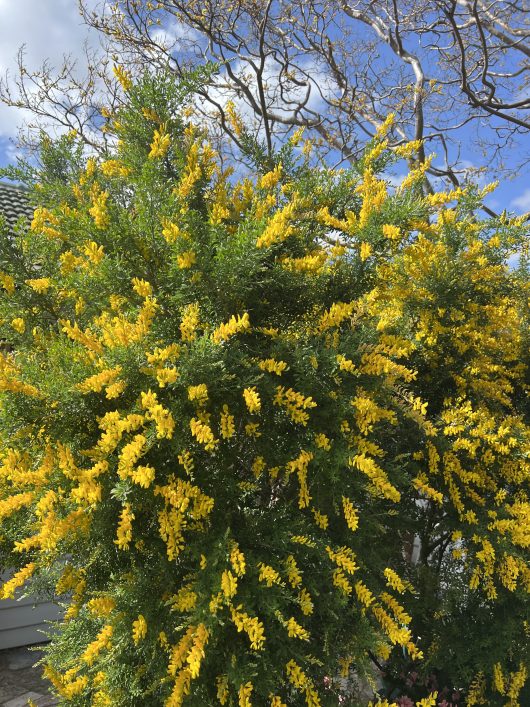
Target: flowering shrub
[{"x": 231, "y": 406}]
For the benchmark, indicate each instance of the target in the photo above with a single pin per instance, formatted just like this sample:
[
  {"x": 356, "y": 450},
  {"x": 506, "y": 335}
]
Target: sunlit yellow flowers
[
  {"x": 139, "y": 629},
  {"x": 160, "y": 144},
  {"x": 252, "y": 400}
]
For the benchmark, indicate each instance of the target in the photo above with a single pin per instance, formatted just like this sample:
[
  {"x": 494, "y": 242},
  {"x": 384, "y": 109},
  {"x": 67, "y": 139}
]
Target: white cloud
[
  {"x": 522, "y": 202},
  {"x": 49, "y": 29}
]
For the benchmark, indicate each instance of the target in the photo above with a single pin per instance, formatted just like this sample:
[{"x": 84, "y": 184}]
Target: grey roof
[{"x": 14, "y": 203}]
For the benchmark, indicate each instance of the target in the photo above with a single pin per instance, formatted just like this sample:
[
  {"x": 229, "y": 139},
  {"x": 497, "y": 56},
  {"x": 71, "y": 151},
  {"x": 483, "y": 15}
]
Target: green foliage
[{"x": 229, "y": 409}]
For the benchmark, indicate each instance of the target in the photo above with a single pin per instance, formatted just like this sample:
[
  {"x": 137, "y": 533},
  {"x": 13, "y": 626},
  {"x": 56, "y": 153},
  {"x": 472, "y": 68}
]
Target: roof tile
[{"x": 14, "y": 203}]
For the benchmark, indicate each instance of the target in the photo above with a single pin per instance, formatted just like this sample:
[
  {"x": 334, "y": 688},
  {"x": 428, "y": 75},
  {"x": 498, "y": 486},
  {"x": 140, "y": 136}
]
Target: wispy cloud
[
  {"x": 522, "y": 202},
  {"x": 49, "y": 29}
]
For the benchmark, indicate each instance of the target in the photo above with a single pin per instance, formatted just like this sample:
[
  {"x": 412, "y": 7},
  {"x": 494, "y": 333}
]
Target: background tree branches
[{"x": 455, "y": 72}]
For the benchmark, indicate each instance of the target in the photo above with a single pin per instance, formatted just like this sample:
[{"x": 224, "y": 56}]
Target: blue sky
[{"x": 51, "y": 28}]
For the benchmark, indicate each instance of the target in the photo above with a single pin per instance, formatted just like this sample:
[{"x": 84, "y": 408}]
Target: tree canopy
[{"x": 262, "y": 433}]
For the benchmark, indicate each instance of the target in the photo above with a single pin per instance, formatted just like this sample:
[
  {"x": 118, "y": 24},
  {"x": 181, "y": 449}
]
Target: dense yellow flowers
[
  {"x": 227, "y": 423},
  {"x": 186, "y": 259},
  {"x": 139, "y": 629},
  {"x": 252, "y": 626},
  {"x": 350, "y": 514},
  {"x": 198, "y": 393},
  {"x": 252, "y": 400},
  {"x": 7, "y": 590},
  {"x": 102, "y": 642},
  {"x": 123, "y": 77},
  {"x": 160, "y": 144},
  {"x": 203, "y": 434},
  {"x": 244, "y": 694},
  {"x": 294, "y": 403},
  {"x": 98, "y": 210},
  {"x": 40, "y": 285},
  {"x": 268, "y": 575},
  {"x": 279, "y": 227},
  {"x": 233, "y": 326},
  {"x": 393, "y": 580},
  {"x": 198, "y": 514},
  {"x": 124, "y": 532},
  {"x": 272, "y": 366}
]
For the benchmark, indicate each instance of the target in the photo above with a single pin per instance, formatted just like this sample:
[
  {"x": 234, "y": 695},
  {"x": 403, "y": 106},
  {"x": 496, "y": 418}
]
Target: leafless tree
[{"x": 452, "y": 71}]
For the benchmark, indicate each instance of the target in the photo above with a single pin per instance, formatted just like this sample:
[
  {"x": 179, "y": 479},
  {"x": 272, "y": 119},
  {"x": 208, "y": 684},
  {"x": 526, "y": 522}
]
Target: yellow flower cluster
[
  {"x": 96, "y": 383},
  {"x": 393, "y": 580},
  {"x": 364, "y": 595},
  {"x": 268, "y": 575},
  {"x": 294, "y": 630},
  {"x": 376, "y": 475},
  {"x": 124, "y": 532},
  {"x": 142, "y": 287},
  {"x": 272, "y": 366},
  {"x": 279, "y": 227},
  {"x": 139, "y": 629},
  {"x": 40, "y": 285},
  {"x": 44, "y": 222},
  {"x": 101, "y": 642},
  {"x": 163, "y": 419},
  {"x": 98, "y": 210},
  {"x": 19, "y": 325},
  {"x": 228, "y": 584},
  {"x": 185, "y": 662},
  {"x": 227, "y": 423},
  {"x": 198, "y": 393},
  {"x": 160, "y": 144},
  {"x": 101, "y": 606},
  {"x": 271, "y": 179},
  {"x": 306, "y": 603},
  {"x": 234, "y": 118},
  {"x": 336, "y": 315},
  {"x": 123, "y": 76},
  {"x": 302, "y": 682},
  {"x": 7, "y": 590},
  {"x": 293, "y": 572},
  {"x": 391, "y": 232},
  {"x": 311, "y": 264},
  {"x": 367, "y": 413},
  {"x": 350, "y": 514},
  {"x": 294, "y": 403},
  {"x": 171, "y": 232},
  {"x": 184, "y": 600},
  {"x": 321, "y": 519},
  {"x": 243, "y": 695},
  {"x": 203, "y": 434},
  {"x": 374, "y": 194},
  {"x": 300, "y": 465},
  {"x": 237, "y": 560},
  {"x": 420, "y": 483},
  {"x": 235, "y": 325},
  {"x": 182, "y": 501},
  {"x": 7, "y": 282},
  {"x": 114, "y": 168},
  {"x": 323, "y": 441},
  {"x": 186, "y": 259},
  {"x": 190, "y": 322},
  {"x": 252, "y": 626},
  {"x": 14, "y": 503},
  {"x": 252, "y": 400},
  {"x": 192, "y": 173}
]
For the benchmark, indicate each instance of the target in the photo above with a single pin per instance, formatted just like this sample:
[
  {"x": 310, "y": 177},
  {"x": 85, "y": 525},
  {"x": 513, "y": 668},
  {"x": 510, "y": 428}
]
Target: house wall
[{"x": 22, "y": 620}]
